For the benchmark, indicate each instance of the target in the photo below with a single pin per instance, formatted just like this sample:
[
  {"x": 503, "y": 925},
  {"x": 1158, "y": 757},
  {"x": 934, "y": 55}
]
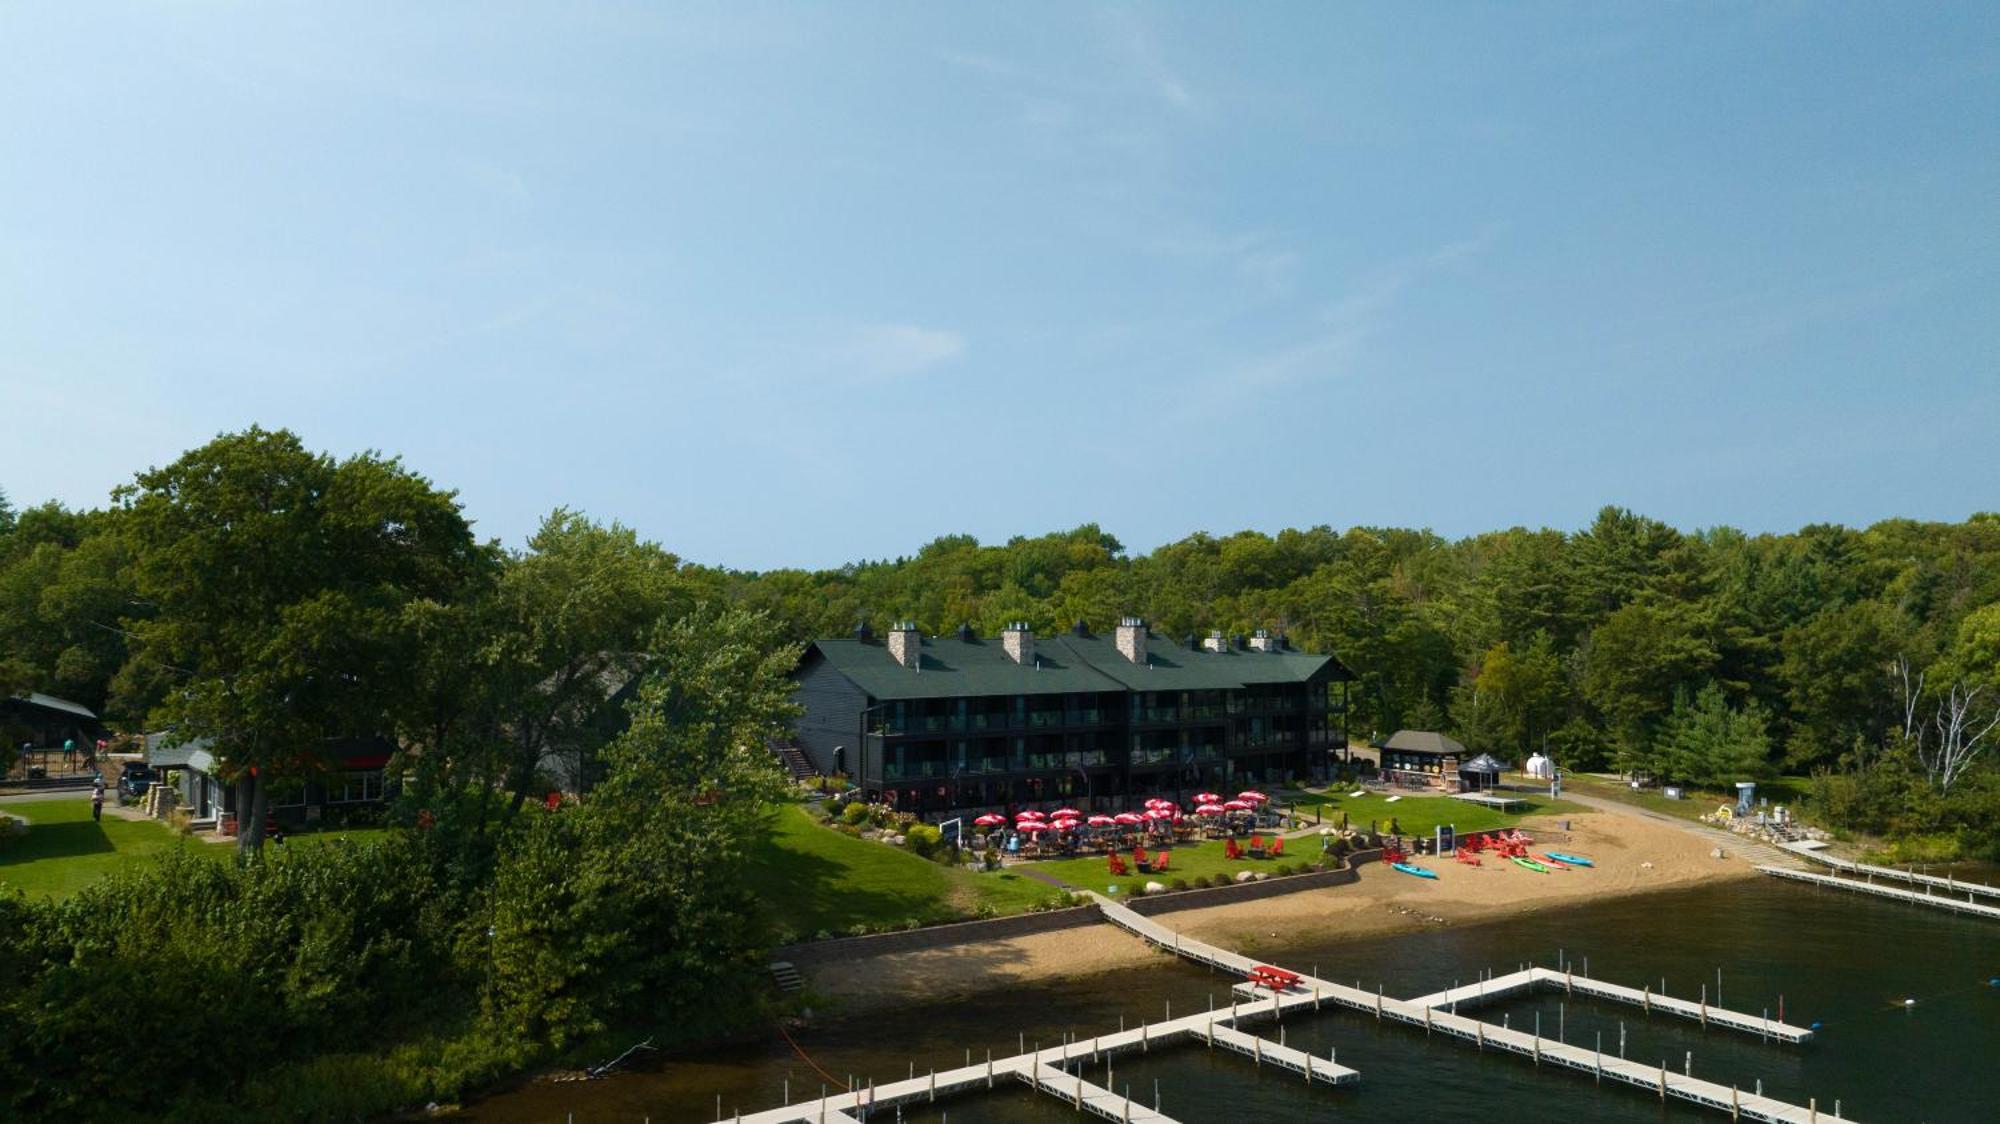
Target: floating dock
[
  {"x": 1975, "y": 890},
  {"x": 1312, "y": 992},
  {"x": 1568, "y": 982},
  {"x": 1968, "y": 904}
]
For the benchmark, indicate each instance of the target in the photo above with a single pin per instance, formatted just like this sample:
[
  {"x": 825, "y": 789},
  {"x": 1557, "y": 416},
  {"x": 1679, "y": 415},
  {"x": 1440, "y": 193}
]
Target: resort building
[
  {"x": 1422, "y": 758},
  {"x": 962, "y": 721}
]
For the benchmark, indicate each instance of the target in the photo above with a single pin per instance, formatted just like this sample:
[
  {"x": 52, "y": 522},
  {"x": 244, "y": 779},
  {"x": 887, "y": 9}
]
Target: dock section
[
  {"x": 1568, "y": 982},
  {"x": 1967, "y": 905},
  {"x": 1312, "y": 992},
  {"x": 1974, "y": 891}
]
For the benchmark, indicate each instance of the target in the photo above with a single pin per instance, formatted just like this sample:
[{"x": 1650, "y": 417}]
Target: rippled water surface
[{"x": 1842, "y": 960}]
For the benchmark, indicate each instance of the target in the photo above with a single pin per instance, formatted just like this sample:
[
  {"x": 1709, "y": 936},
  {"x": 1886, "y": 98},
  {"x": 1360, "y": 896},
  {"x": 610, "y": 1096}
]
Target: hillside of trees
[{"x": 1629, "y": 645}]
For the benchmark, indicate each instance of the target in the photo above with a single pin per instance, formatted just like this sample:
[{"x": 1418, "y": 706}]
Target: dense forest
[{"x": 1628, "y": 645}]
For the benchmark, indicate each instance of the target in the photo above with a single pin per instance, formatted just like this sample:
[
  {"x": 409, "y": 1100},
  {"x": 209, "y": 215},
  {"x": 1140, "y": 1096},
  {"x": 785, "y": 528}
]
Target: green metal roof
[{"x": 952, "y": 667}]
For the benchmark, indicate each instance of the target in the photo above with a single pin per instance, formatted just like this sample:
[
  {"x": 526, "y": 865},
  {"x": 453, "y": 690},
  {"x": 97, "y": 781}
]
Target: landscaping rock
[
  {"x": 1244, "y": 876},
  {"x": 1155, "y": 888}
]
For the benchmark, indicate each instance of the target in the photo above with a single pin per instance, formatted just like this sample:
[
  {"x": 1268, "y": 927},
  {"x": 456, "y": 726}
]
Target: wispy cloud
[
  {"x": 894, "y": 351},
  {"x": 1335, "y": 338},
  {"x": 1134, "y": 42}
]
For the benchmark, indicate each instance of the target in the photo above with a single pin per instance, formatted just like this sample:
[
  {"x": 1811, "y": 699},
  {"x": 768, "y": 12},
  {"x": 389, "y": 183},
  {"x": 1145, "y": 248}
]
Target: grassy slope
[
  {"x": 1420, "y": 815},
  {"x": 64, "y": 851},
  {"x": 1199, "y": 861},
  {"x": 812, "y": 879}
]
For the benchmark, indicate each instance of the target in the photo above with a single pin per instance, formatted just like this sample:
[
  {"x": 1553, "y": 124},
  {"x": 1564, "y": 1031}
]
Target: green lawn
[
  {"x": 813, "y": 879},
  {"x": 1420, "y": 815},
  {"x": 64, "y": 850},
  {"x": 1789, "y": 791},
  {"x": 1201, "y": 860}
]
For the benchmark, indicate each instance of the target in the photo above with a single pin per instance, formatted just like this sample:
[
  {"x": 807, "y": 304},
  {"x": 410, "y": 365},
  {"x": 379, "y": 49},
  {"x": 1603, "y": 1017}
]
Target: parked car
[{"x": 133, "y": 783}]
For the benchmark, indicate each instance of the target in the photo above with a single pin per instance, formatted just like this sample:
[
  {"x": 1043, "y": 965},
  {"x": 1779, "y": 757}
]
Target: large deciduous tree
[{"x": 280, "y": 583}]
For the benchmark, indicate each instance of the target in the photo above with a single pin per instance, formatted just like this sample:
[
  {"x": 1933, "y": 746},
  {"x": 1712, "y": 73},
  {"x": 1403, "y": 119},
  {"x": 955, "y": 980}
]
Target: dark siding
[{"x": 832, "y": 707}]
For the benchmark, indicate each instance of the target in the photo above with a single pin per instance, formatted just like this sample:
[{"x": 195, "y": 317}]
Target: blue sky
[{"x": 794, "y": 285}]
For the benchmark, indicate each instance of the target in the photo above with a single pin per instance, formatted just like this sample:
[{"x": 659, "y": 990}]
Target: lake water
[{"x": 1843, "y": 960}]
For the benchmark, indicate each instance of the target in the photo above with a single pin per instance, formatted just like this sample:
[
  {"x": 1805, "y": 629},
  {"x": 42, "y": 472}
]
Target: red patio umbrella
[
  {"x": 1030, "y": 814},
  {"x": 1207, "y": 798},
  {"x": 1063, "y": 823},
  {"x": 1036, "y": 825},
  {"x": 990, "y": 819},
  {"x": 1065, "y": 813},
  {"x": 1237, "y": 805},
  {"x": 1101, "y": 821},
  {"x": 1158, "y": 814},
  {"x": 1252, "y": 795},
  {"x": 1129, "y": 819},
  {"x": 1210, "y": 809}
]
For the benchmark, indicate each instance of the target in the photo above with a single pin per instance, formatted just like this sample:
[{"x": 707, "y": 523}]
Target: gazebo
[{"x": 1480, "y": 773}]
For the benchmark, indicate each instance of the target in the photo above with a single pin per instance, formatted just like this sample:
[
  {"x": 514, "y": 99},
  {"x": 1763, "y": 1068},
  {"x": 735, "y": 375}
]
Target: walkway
[
  {"x": 1967, "y": 904},
  {"x": 1815, "y": 852}
]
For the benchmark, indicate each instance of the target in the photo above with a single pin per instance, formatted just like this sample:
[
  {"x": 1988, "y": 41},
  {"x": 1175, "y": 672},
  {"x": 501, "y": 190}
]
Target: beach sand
[{"x": 1383, "y": 901}]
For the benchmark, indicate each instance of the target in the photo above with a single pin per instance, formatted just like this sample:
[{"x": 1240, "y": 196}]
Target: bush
[
  {"x": 1177, "y": 885},
  {"x": 923, "y": 839},
  {"x": 855, "y": 814}
]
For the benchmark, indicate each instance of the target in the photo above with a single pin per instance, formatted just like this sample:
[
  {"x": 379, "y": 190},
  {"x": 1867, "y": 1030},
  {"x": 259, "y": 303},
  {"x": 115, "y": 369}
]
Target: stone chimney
[
  {"x": 1131, "y": 639},
  {"x": 906, "y": 644},
  {"x": 1019, "y": 642},
  {"x": 1262, "y": 641},
  {"x": 1215, "y": 642}
]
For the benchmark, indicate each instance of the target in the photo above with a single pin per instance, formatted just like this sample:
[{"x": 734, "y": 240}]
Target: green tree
[
  {"x": 1707, "y": 742},
  {"x": 1632, "y": 665},
  {"x": 279, "y": 580},
  {"x": 1837, "y": 673}
]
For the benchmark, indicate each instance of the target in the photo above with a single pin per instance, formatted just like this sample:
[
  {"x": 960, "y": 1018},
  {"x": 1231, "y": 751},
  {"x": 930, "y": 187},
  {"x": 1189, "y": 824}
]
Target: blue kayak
[
  {"x": 1573, "y": 860},
  {"x": 1420, "y": 872}
]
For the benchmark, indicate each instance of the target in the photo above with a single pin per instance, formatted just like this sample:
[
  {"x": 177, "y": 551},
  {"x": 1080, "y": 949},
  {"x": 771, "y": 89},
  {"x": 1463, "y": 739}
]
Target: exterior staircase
[
  {"x": 786, "y": 976},
  {"x": 796, "y": 762}
]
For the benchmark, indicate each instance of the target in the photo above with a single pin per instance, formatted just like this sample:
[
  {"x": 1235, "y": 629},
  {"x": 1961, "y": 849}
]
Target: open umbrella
[
  {"x": 1129, "y": 819},
  {"x": 1029, "y": 816},
  {"x": 1237, "y": 805},
  {"x": 1210, "y": 810},
  {"x": 1253, "y": 796},
  {"x": 1157, "y": 814},
  {"x": 1207, "y": 798},
  {"x": 1101, "y": 821},
  {"x": 1063, "y": 823},
  {"x": 990, "y": 819},
  {"x": 1036, "y": 826},
  {"x": 1065, "y": 814}
]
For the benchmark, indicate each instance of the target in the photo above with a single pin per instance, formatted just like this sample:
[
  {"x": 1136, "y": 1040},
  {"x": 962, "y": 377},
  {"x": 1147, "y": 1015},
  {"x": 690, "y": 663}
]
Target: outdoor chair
[
  {"x": 1160, "y": 862},
  {"x": 1117, "y": 865},
  {"x": 1278, "y": 847}
]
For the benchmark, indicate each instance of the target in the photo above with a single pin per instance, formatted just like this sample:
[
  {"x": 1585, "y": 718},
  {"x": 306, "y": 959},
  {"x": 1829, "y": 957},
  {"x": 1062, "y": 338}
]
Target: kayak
[
  {"x": 1530, "y": 864},
  {"x": 1553, "y": 861},
  {"x": 1420, "y": 872},
  {"x": 1573, "y": 860}
]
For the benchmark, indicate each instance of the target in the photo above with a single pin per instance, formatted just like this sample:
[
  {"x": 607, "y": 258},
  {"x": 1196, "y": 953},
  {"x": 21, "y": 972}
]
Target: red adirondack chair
[
  {"x": 1139, "y": 858},
  {"x": 1230, "y": 850},
  {"x": 1278, "y": 847},
  {"x": 1160, "y": 861},
  {"x": 1118, "y": 864}
]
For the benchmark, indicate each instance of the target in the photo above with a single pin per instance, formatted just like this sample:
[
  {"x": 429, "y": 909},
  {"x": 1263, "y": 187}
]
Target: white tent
[{"x": 1540, "y": 768}]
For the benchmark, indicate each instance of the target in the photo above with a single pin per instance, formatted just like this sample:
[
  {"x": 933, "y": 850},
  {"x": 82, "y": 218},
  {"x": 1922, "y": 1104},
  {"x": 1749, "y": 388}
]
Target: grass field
[
  {"x": 64, "y": 850},
  {"x": 1202, "y": 860},
  {"x": 1789, "y": 791},
  {"x": 1420, "y": 815},
  {"x": 813, "y": 879}
]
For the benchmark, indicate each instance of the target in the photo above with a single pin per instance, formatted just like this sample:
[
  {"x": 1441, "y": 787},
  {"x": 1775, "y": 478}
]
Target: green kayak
[{"x": 1530, "y": 864}]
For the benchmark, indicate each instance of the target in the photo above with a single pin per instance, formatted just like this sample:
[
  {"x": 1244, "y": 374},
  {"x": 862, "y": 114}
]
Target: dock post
[
  {"x": 1812, "y": 1110},
  {"x": 1427, "y": 1021},
  {"x": 1480, "y": 1029},
  {"x": 1378, "y": 1002},
  {"x": 1257, "y": 1049},
  {"x": 1598, "y": 1070},
  {"x": 1621, "y": 1040},
  {"x": 1145, "y": 1042},
  {"x": 1562, "y": 1022},
  {"x": 934, "y": 1086},
  {"x": 1767, "y": 1025},
  {"x": 1735, "y": 1104},
  {"x": 1760, "y": 1086},
  {"x": 1569, "y": 982},
  {"x": 1663, "y": 1079},
  {"x": 1315, "y": 995},
  {"x": 1646, "y": 999},
  {"x": 1687, "y": 1067},
  {"x": 989, "y": 1067}
]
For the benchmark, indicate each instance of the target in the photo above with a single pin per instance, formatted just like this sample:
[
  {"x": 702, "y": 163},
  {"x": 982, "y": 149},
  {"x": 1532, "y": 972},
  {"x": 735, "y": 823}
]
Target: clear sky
[{"x": 800, "y": 284}]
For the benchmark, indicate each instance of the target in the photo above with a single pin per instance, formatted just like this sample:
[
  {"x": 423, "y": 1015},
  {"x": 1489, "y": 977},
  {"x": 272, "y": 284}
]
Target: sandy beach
[{"x": 1635, "y": 855}]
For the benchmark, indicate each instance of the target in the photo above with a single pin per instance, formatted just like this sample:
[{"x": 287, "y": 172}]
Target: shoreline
[{"x": 1635, "y": 856}]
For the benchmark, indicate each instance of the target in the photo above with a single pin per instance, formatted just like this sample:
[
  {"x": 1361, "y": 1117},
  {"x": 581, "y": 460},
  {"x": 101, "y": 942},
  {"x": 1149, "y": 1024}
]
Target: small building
[
  {"x": 356, "y": 777},
  {"x": 1480, "y": 774},
  {"x": 46, "y": 722},
  {"x": 1422, "y": 757}
]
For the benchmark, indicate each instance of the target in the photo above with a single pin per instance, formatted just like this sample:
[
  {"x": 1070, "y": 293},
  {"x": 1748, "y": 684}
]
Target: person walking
[
  {"x": 69, "y": 753},
  {"x": 97, "y": 801}
]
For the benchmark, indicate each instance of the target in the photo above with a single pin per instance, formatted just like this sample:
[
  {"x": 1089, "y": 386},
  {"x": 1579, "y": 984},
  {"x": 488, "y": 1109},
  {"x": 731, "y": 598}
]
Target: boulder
[
  {"x": 1244, "y": 876},
  {"x": 1155, "y": 888}
]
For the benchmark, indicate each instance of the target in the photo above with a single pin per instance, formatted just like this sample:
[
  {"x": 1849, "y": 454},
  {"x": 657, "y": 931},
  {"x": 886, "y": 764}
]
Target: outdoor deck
[
  {"x": 1492, "y": 800},
  {"x": 1967, "y": 904}
]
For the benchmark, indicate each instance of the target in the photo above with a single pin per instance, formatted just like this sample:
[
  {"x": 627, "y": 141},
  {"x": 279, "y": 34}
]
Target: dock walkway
[
  {"x": 1966, "y": 904},
  {"x": 1569, "y": 982},
  {"x": 1312, "y": 991},
  {"x": 1911, "y": 877}
]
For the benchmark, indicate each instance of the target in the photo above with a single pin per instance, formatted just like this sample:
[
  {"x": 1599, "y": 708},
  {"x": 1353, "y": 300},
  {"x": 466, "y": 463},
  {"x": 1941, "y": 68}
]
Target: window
[{"x": 356, "y": 787}]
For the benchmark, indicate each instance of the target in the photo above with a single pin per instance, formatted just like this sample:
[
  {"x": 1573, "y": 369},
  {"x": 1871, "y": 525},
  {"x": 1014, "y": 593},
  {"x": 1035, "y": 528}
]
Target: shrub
[
  {"x": 1178, "y": 884},
  {"x": 855, "y": 814},
  {"x": 923, "y": 839}
]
